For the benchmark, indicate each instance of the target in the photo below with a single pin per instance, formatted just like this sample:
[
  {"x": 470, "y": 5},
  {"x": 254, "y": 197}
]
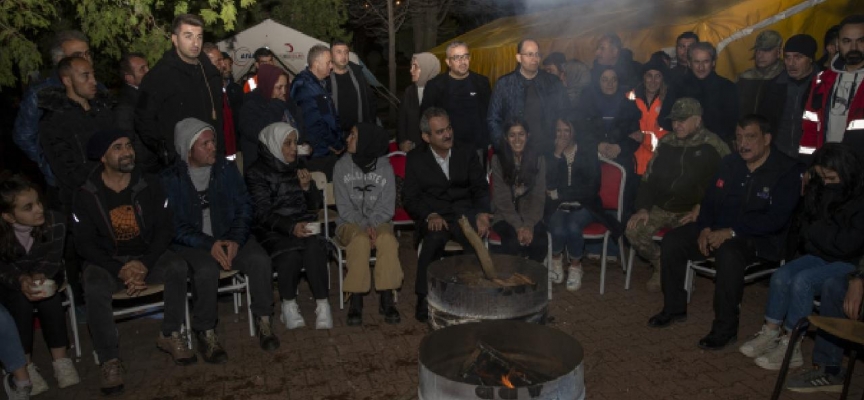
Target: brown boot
[
  {"x": 112, "y": 377},
  {"x": 175, "y": 345},
  {"x": 653, "y": 284}
]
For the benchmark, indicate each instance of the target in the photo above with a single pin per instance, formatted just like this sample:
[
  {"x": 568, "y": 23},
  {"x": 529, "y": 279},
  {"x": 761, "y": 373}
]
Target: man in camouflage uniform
[
  {"x": 672, "y": 186},
  {"x": 767, "y": 65}
]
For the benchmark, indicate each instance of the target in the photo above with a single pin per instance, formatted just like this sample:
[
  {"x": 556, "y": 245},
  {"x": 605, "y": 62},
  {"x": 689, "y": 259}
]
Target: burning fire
[{"x": 505, "y": 379}]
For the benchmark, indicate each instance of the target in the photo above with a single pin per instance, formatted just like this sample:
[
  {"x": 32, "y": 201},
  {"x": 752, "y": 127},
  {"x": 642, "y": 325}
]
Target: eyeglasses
[
  {"x": 532, "y": 55},
  {"x": 461, "y": 57},
  {"x": 83, "y": 54}
]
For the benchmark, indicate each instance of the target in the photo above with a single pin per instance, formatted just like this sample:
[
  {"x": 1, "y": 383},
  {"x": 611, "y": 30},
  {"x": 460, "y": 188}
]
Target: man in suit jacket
[{"x": 442, "y": 183}]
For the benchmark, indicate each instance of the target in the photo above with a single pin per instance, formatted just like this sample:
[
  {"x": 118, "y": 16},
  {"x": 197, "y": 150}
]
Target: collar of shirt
[{"x": 443, "y": 162}]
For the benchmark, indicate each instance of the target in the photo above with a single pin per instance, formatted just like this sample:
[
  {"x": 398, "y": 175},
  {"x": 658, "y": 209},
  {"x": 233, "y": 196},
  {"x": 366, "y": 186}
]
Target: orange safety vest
[
  {"x": 650, "y": 127},
  {"x": 250, "y": 84}
]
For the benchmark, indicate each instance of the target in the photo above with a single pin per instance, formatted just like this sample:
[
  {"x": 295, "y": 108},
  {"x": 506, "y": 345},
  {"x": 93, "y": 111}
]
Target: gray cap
[
  {"x": 768, "y": 40},
  {"x": 684, "y": 108}
]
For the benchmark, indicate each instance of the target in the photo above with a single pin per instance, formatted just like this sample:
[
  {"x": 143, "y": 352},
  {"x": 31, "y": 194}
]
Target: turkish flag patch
[{"x": 720, "y": 183}]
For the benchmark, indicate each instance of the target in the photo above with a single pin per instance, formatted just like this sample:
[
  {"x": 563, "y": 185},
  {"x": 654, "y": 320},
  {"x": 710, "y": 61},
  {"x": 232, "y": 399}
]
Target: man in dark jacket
[
  {"x": 323, "y": 132},
  {"x": 26, "y": 132},
  {"x": 71, "y": 115},
  {"x": 229, "y": 102},
  {"x": 133, "y": 67},
  {"x": 530, "y": 93},
  {"x": 767, "y": 66},
  {"x": 213, "y": 218},
  {"x": 743, "y": 218},
  {"x": 672, "y": 187},
  {"x": 682, "y": 61},
  {"x": 610, "y": 52},
  {"x": 442, "y": 183},
  {"x": 783, "y": 99},
  {"x": 122, "y": 228},
  {"x": 354, "y": 100},
  {"x": 183, "y": 84},
  {"x": 717, "y": 95},
  {"x": 464, "y": 94}
]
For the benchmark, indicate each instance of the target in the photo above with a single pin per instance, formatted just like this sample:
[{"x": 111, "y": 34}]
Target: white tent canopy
[{"x": 289, "y": 45}]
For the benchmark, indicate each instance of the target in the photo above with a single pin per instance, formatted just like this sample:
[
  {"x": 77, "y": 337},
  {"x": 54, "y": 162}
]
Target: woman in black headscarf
[{"x": 365, "y": 191}]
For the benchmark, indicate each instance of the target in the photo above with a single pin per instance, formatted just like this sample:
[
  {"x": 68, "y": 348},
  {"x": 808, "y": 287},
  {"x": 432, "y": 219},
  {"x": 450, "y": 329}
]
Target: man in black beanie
[
  {"x": 122, "y": 227},
  {"x": 783, "y": 101}
]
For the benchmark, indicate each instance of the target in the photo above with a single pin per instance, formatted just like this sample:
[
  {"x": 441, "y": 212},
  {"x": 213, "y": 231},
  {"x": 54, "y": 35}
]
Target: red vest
[
  {"x": 815, "y": 121},
  {"x": 651, "y": 129}
]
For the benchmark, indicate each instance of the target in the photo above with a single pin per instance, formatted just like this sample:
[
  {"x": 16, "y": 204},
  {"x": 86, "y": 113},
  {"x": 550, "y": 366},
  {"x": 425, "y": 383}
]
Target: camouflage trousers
[{"x": 640, "y": 237}]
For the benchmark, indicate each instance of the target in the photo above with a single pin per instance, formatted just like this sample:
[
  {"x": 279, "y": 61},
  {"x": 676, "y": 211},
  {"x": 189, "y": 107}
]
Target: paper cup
[
  {"x": 47, "y": 288},
  {"x": 313, "y": 228},
  {"x": 304, "y": 150}
]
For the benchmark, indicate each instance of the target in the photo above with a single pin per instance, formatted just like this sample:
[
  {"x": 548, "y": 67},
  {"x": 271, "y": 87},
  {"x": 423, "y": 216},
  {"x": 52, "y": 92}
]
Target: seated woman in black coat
[
  {"x": 267, "y": 104},
  {"x": 283, "y": 194}
]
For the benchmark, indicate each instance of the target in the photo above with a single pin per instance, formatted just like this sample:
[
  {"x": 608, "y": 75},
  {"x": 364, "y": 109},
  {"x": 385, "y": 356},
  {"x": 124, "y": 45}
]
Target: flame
[{"x": 505, "y": 379}]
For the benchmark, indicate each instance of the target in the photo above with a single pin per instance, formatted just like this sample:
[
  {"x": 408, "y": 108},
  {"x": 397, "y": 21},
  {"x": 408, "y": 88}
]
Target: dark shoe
[
  {"x": 355, "y": 310},
  {"x": 175, "y": 345},
  {"x": 266, "y": 338},
  {"x": 387, "y": 308},
  {"x": 209, "y": 347},
  {"x": 112, "y": 377},
  {"x": 663, "y": 319},
  {"x": 716, "y": 341},
  {"x": 421, "y": 314}
]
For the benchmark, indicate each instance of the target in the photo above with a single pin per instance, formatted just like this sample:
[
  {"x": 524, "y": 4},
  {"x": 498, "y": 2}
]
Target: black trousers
[
  {"x": 680, "y": 245},
  {"x": 510, "y": 242},
  {"x": 51, "y": 315},
  {"x": 433, "y": 248},
  {"x": 312, "y": 258}
]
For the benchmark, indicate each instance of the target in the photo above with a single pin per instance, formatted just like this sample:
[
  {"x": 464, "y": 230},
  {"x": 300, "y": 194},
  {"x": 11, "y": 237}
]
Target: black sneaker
[
  {"x": 387, "y": 308},
  {"x": 421, "y": 314},
  {"x": 266, "y": 338},
  {"x": 355, "y": 310},
  {"x": 716, "y": 341},
  {"x": 815, "y": 380},
  {"x": 663, "y": 319},
  {"x": 210, "y": 348}
]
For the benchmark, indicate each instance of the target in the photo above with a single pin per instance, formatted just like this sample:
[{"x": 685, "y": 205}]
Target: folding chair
[
  {"x": 753, "y": 271},
  {"x": 69, "y": 303},
  {"x": 613, "y": 178},
  {"x": 658, "y": 237}
]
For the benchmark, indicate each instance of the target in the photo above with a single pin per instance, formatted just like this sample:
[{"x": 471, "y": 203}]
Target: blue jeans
[
  {"x": 795, "y": 285},
  {"x": 11, "y": 352},
  {"x": 566, "y": 230},
  {"x": 828, "y": 351}
]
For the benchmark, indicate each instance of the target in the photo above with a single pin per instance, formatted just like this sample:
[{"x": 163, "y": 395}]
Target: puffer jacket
[
  {"x": 45, "y": 255},
  {"x": 256, "y": 114},
  {"x": 230, "y": 206},
  {"x": 63, "y": 135},
  {"x": 279, "y": 202},
  {"x": 319, "y": 114},
  {"x": 508, "y": 100},
  {"x": 26, "y": 132}
]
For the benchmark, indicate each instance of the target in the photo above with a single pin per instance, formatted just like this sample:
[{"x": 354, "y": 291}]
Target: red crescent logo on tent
[{"x": 290, "y": 47}]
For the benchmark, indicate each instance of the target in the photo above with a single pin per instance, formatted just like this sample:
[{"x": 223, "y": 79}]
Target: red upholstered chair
[
  {"x": 613, "y": 178},
  {"x": 397, "y": 161}
]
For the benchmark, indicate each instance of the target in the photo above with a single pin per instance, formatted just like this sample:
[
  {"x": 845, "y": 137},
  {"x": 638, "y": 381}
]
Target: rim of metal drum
[{"x": 530, "y": 268}]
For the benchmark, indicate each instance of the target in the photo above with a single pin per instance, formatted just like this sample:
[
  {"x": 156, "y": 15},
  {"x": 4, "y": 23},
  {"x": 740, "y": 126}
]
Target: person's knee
[
  {"x": 97, "y": 281},
  {"x": 176, "y": 268},
  {"x": 781, "y": 278},
  {"x": 435, "y": 240}
]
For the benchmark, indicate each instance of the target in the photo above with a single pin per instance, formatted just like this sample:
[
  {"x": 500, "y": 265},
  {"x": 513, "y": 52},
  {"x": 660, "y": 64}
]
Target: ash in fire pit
[{"x": 493, "y": 360}]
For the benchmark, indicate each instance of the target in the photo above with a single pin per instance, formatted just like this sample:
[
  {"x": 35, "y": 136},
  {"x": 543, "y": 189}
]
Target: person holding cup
[
  {"x": 31, "y": 252},
  {"x": 282, "y": 193},
  {"x": 365, "y": 189}
]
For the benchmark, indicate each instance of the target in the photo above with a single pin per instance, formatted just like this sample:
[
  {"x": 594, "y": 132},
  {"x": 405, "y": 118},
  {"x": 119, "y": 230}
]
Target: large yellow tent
[{"x": 646, "y": 26}]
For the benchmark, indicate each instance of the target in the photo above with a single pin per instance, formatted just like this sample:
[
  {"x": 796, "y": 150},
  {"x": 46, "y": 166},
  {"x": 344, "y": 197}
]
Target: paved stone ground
[{"x": 624, "y": 358}]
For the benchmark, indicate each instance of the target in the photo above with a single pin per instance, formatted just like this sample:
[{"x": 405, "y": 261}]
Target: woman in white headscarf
[
  {"x": 282, "y": 193},
  {"x": 424, "y": 66}
]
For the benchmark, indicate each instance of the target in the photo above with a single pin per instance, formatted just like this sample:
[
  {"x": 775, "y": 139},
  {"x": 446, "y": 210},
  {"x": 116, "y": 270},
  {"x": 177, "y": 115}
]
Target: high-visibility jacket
[
  {"x": 650, "y": 127},
  {"x": 817, "y": 111},
  {"x": 250, "y": 84}
]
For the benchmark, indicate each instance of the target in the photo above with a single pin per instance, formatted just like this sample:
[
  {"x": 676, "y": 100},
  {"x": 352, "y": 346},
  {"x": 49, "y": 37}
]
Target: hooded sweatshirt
[
  {"x": 845, "y": 87},
  {"x": 366, "y": 199},
  {"x": 186, "y": 133}
]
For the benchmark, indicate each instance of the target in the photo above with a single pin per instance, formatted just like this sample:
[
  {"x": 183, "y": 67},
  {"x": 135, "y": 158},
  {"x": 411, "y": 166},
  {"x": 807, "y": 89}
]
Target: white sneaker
[
  {"x": 39, "y": 384},
  {"x": 324, "y": 319},
  {"x": 13, "y": 392},
  {"x": 594, "y": 257},
  {"x": 762, "y": 342},
  {"x": 64, "y": 371},
  {"x": 574, "y": 279},
  {"x": 773, "y": 359},
  {"x": 290, "y": 315},
  {"x": 557, "y": 270}
]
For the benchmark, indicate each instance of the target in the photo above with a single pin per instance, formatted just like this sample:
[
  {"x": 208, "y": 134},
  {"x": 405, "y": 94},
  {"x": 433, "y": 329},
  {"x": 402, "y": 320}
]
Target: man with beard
[
  {"x": 122, "y": 228},
  {"x": 742, "y": 219},
  {"x": 232, "y": 99},
  {"x": 355, "y": 101},
  {"x": 834, "y": 111}
]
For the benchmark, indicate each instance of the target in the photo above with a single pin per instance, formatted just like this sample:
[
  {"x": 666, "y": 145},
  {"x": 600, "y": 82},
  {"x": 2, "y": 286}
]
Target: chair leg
[
  {"x": 850, "y": 369},
  {"x": 249, "y": 307},
  {"x": 688, "y": 280},
  {"x": 188, "y": 324},
  {"x": 549, "y": 263},
  {"x": 73, "y": 320},
  {"x": 621, "y": 254},
  {"x": 799, "y": 329},
  {"x": 236, "y": 294},
  {"x": 341, "y": 279},
  {"x": 603, "y": 263},
  {"x": 629, "y": 268}
]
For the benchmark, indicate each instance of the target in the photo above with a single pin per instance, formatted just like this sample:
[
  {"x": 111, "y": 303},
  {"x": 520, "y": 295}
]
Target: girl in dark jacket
[
  {"x": 283, "y": 194},
  {"x": 268, "y": 103},
  {"x": 31, "y": 253},
  {"x": 832, "y": 234}
]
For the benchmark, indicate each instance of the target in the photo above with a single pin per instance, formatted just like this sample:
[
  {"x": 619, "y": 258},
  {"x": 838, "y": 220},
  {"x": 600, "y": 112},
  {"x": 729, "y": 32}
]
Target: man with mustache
[
  {"x": 442, "y": 183},
  {"x": 834, "y": 112},
  {"x": 743, "y": 218},
  {"x": 122, "y": 228}
]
